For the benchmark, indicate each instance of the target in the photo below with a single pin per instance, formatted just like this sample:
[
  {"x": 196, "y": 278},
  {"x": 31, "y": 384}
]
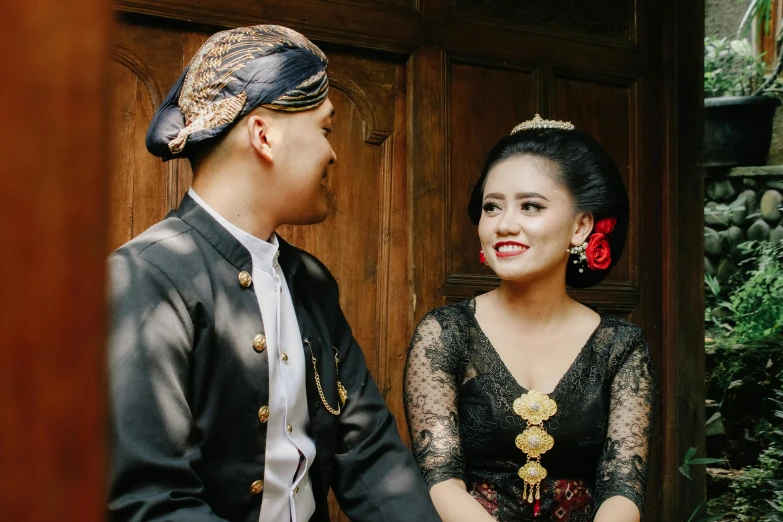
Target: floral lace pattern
[{"x": 458, "y": 401}]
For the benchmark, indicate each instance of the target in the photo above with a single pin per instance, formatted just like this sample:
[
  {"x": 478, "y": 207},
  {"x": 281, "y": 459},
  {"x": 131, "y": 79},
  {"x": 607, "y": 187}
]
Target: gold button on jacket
[
  {"x": 263, "y": 414},
  {"x": 259, "y": 343},
  {"x": 284, "y": 357},
  {"x": 256, "y": 487},
  {"x": 244, "y": 279}
]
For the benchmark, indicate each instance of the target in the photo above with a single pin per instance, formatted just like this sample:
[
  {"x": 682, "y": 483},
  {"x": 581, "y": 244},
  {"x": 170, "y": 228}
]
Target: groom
[{"x": 237, "y": 389}]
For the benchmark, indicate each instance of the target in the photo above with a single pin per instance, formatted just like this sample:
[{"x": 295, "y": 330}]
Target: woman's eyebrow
[{"x": 529, "y": 195}]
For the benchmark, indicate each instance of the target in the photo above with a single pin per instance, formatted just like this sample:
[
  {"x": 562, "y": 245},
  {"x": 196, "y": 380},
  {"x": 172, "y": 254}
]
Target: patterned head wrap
[{"x": 234, "y": 72}]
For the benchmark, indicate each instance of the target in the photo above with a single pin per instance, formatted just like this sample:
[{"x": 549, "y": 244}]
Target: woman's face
[{"x": 528, "y": 220}]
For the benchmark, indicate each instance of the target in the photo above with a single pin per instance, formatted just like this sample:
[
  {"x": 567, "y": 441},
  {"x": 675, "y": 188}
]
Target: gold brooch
[
  {"x": 540, "y": 123},
  {"x": 535, "y": 407},
  {"x": 534, "y": 441}
]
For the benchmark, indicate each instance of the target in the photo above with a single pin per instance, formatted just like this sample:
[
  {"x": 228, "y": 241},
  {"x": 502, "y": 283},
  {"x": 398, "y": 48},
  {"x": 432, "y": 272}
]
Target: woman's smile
[{"x": 509, "y": 248}]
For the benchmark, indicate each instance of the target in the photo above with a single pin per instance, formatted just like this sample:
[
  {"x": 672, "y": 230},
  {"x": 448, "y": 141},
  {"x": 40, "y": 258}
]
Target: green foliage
[
  {"x": 759, "y": 496},
  {"x": 757, "y": 302},
  {"x": 748, "y": 308},
  {"x": 707, "y": 518},
  {"x": 690, "y": 459},
  {"x": 776, "y": 515},
  {"x": 716, "y": 304},
  {"x": 733, "y": 367},
  {"x": 731, "y": 69},
  {"x": 744, "y": 368}
]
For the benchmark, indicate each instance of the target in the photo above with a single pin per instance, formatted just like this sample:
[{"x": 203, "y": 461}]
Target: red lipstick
[{"x": 509, "y": 248}]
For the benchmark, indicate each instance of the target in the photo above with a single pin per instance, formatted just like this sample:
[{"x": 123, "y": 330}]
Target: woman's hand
[{"x": 455, "y": 504}]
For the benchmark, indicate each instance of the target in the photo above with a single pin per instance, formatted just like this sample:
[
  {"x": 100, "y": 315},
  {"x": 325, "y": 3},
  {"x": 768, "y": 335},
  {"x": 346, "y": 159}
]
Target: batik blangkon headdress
[{"x": 234, "y": 72}]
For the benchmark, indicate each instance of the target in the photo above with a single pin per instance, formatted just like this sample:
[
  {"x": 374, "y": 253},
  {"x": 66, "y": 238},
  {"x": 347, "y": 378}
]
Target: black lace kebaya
[{"x": 459, "y": 396}]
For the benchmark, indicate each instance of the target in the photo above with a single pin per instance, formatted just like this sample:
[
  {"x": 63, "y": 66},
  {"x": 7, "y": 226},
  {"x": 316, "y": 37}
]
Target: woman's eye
[
  {"x": 328, "y": 130},
  {"x": 490, "y": 207},
  {"x": 529, "y": 206}
]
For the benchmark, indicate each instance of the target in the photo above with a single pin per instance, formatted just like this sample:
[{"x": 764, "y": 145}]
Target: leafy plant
[
  {"x": 716, "y": 302},
  {"x": 732, "y": 69},
  {"x": 759, "y": 487},
  {"x": 776, "y": 515},
  {"x": 757, "y": 304},
  {"x": 689, "y": 460}
]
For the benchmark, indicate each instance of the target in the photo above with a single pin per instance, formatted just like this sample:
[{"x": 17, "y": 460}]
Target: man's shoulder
[
  {"x": 161, "y": 239},
  {"x": 315, "y": 268},
  {"x": 309, "y": 267}
]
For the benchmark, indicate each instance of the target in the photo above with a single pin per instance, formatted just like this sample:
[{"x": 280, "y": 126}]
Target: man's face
[{"x": 302, "y": 165}]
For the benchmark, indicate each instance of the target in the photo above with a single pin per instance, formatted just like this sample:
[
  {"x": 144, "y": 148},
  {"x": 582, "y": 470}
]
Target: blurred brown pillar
[{"x": 52, "y": 230}]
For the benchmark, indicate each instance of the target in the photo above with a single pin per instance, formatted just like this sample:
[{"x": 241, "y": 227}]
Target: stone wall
[{"x": 743, "y": 204}]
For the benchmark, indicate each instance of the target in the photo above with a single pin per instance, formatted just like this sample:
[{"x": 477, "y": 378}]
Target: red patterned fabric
[
  {"x": 571, "y": 497},
  {"x": 573, "y": 500}
]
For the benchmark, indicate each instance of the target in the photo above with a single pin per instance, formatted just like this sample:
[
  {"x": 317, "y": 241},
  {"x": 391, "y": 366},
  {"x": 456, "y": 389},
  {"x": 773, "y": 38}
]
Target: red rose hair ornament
[
  {"x": 597, "y": 252},
  {"x": 599, "y": 255}
]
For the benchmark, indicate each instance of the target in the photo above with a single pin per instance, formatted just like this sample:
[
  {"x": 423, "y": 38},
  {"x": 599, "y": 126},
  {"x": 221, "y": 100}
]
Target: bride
[{"x": 522, "y": 403}]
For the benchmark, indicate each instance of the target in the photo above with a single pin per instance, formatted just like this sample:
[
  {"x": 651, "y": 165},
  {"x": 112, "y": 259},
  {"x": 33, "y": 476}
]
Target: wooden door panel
[
  {"x": 146, "y": 62},
  {"x": 409, "y": 4},
  {"x": 604, "y": 18},
  {"x": 139, "y": 181},
  {"x": 484, "y": 104},
  {"x": 605, "y": 111}
]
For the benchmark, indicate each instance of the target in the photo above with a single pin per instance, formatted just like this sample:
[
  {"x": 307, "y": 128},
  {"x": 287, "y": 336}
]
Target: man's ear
[
  {"x": 258, "y": 131},
  {"x": 583, "y": 227}
]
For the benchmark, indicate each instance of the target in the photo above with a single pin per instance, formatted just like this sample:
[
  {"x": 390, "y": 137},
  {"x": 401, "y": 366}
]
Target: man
[{"x": 237, "y": 390}]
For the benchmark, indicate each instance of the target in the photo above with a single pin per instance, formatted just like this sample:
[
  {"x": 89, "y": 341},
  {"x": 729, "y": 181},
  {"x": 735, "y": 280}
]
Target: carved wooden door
[{"x": 423, "y": 89}]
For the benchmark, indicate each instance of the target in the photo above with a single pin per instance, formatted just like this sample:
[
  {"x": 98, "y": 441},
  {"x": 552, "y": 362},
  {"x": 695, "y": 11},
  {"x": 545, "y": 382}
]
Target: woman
[{"x": 522, "y": 403}]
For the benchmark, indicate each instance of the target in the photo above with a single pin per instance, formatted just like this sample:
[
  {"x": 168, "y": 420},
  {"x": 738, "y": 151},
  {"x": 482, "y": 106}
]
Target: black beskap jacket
[{"x": 187, "y": 383}]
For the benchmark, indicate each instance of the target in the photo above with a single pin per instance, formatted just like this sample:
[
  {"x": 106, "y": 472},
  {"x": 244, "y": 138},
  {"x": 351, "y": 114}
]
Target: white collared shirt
[{"x": 288, "y": 495}]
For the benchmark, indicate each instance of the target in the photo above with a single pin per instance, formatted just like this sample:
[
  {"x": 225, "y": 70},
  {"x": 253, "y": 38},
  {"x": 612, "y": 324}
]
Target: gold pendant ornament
[
  {"x": 532, "y": 474},
  {"x": 342, "y": 392},
  {"x": 534, "y": 441},
  {"x": 534, "y": 407}
]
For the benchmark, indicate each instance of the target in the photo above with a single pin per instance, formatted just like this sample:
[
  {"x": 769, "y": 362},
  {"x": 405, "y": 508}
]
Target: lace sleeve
[
  {"x": 430, "y": 393},
  {"x": 622, "y": 468}
]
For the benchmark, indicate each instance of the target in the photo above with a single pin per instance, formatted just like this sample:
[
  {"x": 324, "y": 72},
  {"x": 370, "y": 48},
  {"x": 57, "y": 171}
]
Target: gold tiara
[{"x": 539, "y": 123}]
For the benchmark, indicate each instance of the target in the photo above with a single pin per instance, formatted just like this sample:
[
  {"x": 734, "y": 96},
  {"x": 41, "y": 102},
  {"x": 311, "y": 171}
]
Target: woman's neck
[{"x": 540, "y": 302}]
